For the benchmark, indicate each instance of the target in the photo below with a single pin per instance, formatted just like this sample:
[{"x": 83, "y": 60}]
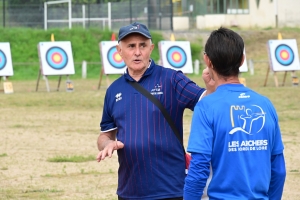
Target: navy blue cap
[{"x": 134, "y": 28}]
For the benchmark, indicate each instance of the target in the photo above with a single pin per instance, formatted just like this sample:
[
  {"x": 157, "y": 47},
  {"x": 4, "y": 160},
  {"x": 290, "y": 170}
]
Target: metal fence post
[
  {"x": 196, "y": 66},
  {"x": 3, "y": 13},
  {"x": 84, "y": 69}
]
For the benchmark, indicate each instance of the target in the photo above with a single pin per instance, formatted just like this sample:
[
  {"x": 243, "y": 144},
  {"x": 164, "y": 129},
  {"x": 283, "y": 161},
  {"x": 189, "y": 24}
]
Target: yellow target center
[
  {"x": 118, "y": 57},
  {"x": 176, "y": 57},
  {"x": 56, "y": 58},
  {"x": 284, "y": 55}
]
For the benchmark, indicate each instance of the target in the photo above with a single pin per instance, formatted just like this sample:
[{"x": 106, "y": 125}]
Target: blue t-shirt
[
  {"x": 239, "y": 129},
  {"x": 151, "y": 164}
]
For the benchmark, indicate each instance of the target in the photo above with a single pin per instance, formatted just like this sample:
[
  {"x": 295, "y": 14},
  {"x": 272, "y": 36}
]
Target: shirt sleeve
[
  {"x": 201, "y": 134},
  {"x": 197, "y": 176},
  {"x": 187, "y": 92},
  {"x": 277, "y": 142},
  {"x": 107, "y": 121},
  {"x": 278, "y": 174}
]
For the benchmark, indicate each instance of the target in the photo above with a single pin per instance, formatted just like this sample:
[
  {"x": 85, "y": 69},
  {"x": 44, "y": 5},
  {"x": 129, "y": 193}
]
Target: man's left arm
[
  {"x": 278, "y": 174},
  {"x": 198, "y": 174}
]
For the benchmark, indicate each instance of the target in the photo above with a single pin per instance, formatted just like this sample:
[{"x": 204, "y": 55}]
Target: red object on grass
[{"x": 113, "y": 37}]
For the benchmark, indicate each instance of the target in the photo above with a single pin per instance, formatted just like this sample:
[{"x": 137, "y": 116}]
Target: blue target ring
[
  {"x": 176, "y": 56},
  {"x": 3, "y": 60},
  {"x": 56, "y": 58},
  {"x": 284, "y": 54},
  {"x": 115, "y": 59}
]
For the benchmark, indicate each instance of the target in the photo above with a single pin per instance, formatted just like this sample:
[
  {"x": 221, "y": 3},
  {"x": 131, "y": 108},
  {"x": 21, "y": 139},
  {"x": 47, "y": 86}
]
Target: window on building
[{"x": 227, "y": 6}]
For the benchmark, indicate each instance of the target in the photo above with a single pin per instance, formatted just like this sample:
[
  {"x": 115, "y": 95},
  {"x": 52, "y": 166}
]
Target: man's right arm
[{"x": 107, "y": 144}]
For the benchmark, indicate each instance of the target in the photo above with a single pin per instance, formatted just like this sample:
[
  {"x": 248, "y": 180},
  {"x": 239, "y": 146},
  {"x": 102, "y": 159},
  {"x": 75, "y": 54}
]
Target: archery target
[
  {"x": 283, "y": 55},
  {"x": 56, "y": 58},
  {"x": 111, "y": 60},
  {"x": 2, "y": 59},
  {"x": 176, "y": 55},
  {"x": 6, "y": 68},
  {"x": 244, "y": 67}
]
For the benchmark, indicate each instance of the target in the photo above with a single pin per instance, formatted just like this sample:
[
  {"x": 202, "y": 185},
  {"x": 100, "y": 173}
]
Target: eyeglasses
[{"x": 204, "y": 53}]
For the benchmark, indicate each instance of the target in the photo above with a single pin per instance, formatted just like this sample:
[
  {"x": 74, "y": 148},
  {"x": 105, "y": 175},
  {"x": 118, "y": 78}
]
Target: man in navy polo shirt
[{"x": 151, "y": 160}]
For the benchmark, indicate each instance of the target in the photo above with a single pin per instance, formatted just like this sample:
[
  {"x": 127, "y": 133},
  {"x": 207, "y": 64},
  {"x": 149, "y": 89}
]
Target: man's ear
[
  {"x": 119, "y": 49},
  {"x": 152, "y": 46},
  {"x": 207, "y": 61}
]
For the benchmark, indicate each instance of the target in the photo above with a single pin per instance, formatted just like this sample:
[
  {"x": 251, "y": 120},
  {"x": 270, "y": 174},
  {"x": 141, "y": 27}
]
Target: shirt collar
[{"x": 146, "y": 73}]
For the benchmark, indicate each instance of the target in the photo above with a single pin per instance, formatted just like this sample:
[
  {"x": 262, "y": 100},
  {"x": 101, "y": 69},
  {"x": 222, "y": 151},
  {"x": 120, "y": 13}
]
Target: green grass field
[{"x": 48, "y": 139}]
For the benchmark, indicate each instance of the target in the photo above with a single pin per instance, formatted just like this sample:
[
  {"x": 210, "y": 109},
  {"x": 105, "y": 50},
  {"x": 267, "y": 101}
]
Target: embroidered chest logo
[
  {"x": 118, "y": 97},
  {"x": 157, "y": 90}
]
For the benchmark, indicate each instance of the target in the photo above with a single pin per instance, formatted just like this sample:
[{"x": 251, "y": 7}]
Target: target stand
[
  {"x": 55, "y": 59},
  {"x": 112, "y": 62},
  {"x": 283, "y": 57},
  {"x": 6, "y": 69},
  {"x": 100, "y": 78}
]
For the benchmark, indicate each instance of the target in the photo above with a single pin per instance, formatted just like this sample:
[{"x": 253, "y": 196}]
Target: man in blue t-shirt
[
  {"x": 151, "y": 158},
  {"x": 234, "y": 131}
]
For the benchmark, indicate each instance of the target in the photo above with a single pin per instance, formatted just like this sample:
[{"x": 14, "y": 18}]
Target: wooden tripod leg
[
  {"x": 38, "y": 80},
  {"x": 283, "y": 82},
  {"x": 267, "y": 76},
  {"x": 58, "y": 83},
  {"x": 100, "y": 79},
  {"x": 107, "y": 80},
  {"x": 47, "y": 83}
]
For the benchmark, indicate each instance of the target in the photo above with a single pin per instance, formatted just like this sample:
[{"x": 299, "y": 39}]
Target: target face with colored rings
[
  {"x": 114, "y": 58},
  {"x": 284, "y": 55},
  {"x": 176, "y": 57},
  {"x": 2, "y": 60},
  {"x": 56, "y": 58}
]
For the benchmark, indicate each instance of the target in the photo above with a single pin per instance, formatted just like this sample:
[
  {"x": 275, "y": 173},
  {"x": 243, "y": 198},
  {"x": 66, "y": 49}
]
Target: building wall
[
  {"x": 288, "y": 13},
  {"x": 283, "y": 12},
  {"x": 181, "y": 23}
]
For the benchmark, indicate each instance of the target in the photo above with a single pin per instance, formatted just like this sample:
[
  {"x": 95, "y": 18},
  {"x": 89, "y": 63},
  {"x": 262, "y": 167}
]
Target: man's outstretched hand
[{"x": 109, "y": 149}]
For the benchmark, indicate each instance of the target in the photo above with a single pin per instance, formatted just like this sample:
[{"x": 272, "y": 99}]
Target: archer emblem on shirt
[{"x": 249, "y": 120}]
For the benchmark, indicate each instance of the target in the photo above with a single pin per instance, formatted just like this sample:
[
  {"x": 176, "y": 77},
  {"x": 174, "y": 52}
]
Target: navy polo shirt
[{"x": 151, "y": 164}]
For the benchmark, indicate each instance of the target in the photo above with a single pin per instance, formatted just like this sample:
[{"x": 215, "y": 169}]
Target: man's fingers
[
  {"x": 98, "y": 157},
  {"x": 118, "y": 145},
  {"x": 109, "y": 149}
]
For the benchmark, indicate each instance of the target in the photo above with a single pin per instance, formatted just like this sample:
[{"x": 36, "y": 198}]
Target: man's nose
[{"x": 137, "y": 51}]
